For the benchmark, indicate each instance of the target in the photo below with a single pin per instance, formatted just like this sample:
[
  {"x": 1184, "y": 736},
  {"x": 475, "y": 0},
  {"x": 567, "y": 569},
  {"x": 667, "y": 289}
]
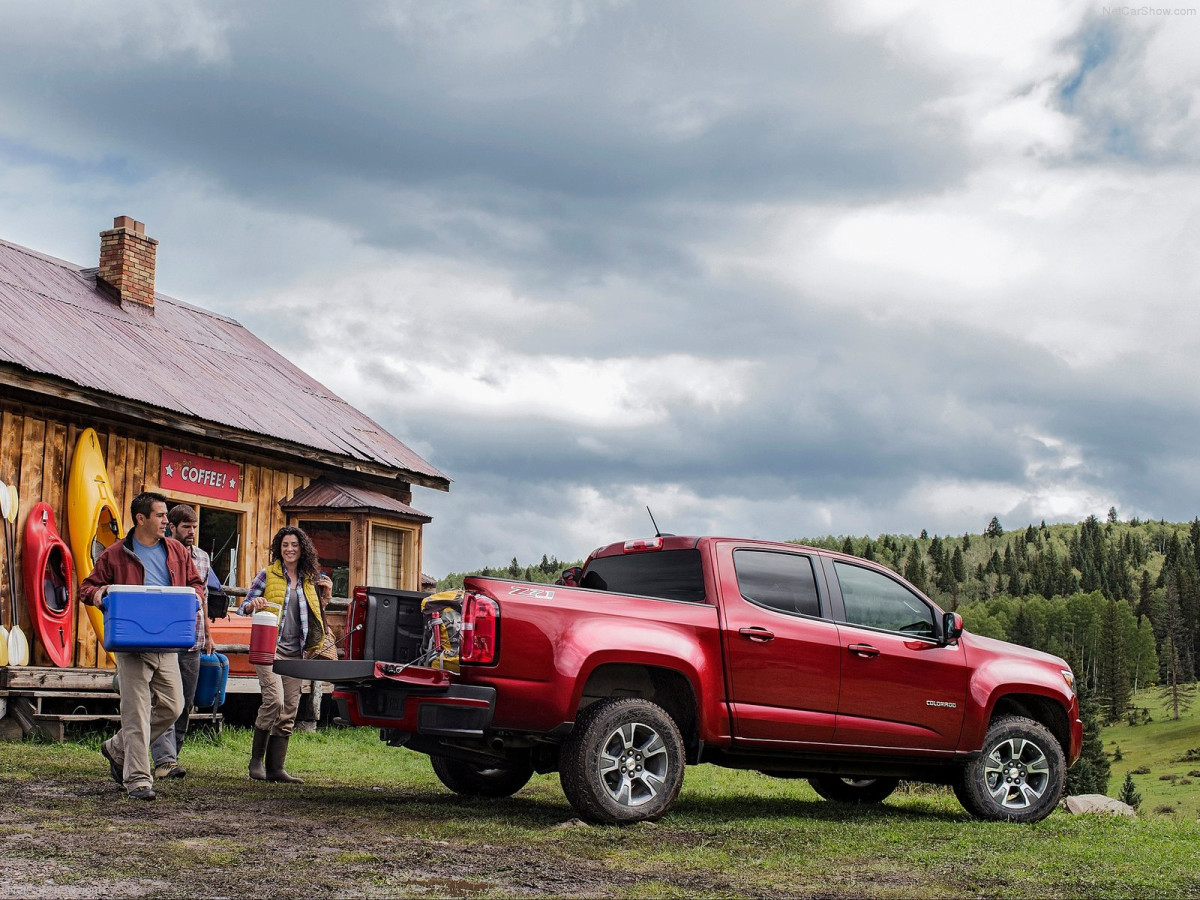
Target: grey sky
[{"x": 772, "y": 268}]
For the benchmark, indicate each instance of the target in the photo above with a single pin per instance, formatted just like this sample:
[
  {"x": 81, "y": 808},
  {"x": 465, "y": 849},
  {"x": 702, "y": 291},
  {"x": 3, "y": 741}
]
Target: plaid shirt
[{"x": 203, "y": 564}]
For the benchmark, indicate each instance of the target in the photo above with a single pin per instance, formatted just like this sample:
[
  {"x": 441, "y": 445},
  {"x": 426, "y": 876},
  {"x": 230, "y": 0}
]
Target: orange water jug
[{"x": 264, "y": 633}]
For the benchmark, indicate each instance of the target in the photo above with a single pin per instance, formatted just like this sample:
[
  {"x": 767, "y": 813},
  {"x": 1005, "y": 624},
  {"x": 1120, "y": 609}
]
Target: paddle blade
[
  {"x": 3, "y": 646},
  {"x": 18, "y": 648},
  {"x": 14, "y": 502}
]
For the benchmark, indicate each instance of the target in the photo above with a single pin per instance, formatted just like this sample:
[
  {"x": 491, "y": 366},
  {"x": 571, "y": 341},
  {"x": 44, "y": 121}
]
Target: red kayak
[{"x": 49, "y": 584}]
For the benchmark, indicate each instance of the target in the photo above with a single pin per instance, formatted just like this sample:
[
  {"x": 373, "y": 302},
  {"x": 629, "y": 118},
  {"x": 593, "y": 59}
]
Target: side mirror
[{"x": 952, "y": 627}]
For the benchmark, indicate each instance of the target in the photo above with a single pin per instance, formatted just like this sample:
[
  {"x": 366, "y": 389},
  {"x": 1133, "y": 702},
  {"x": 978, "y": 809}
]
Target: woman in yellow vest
[{"x": 294, "y": 588}]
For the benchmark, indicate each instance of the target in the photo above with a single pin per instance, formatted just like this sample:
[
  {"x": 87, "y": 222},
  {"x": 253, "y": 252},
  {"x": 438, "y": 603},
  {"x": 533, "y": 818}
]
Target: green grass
[
  {"x": 1161, "y": 746},
  {"x": 373, "y": 820}
]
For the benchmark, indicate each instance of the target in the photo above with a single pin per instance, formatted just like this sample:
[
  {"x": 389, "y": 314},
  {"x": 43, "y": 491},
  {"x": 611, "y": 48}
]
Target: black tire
[
  {"x": 623, "y": 762},
  {"x": 854, "y": 790},
  {"x": 1019, "y": 776},
  {"x": 472, "y": 779}
]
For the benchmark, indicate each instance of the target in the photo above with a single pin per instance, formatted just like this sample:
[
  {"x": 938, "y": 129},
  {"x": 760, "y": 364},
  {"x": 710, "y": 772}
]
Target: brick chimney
[{"x": 127, "y": 262}]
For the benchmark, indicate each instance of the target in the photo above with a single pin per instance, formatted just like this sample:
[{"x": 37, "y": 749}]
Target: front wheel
[
  {"x": 472, "y": 779},
  {"x": 854, "y": 790},
  {"x": 1019, "y": 776},
  {"x": 623, "y": 763}
]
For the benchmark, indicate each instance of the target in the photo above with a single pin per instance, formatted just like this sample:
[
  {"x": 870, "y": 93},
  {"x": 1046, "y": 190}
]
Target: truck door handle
[
  {"x": 757, "y": 634},
  {"x": 865, "y": 650}
]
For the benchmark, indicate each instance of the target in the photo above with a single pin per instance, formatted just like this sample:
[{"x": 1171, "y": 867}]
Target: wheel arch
[
  {"x": 1045, "y": 710},
  {"x": 665, "y": 687}
]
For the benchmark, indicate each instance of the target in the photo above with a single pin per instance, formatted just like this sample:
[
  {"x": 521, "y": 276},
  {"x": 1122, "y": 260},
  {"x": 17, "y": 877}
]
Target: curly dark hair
[{"x": 309, "y": 565}]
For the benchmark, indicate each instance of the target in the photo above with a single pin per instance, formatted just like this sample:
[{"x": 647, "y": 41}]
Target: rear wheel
[
  {"x": 623, "y": 762},
  {"x": 854, "y": 790},
  {"x": 1019, "y": 776},
  {"x": 472, "y": 779}
]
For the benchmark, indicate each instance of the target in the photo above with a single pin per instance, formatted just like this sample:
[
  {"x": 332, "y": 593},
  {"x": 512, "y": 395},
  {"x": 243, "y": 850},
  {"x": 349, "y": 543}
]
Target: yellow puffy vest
[{"x": 275, "y": 593}]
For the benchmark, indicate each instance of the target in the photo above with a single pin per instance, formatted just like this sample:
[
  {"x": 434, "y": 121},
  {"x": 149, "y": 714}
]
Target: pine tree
[
  {"x": 1129, "y": 793},
  {"x": 1113, "y": 687},
  {"x": 1090, "y": 774},
  {"x": 915, "y": 570},
  {"x": 993, "y": 529},
  {"x": 1024, "y": 628}
]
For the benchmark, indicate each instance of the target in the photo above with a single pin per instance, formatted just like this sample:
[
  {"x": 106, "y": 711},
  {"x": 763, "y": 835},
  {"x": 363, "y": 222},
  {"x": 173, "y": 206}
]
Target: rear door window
[{"x": 780, "y": 581}]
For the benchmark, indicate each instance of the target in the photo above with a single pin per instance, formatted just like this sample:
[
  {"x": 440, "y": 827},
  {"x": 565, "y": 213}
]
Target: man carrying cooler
[{"x": 151, "y": 689}]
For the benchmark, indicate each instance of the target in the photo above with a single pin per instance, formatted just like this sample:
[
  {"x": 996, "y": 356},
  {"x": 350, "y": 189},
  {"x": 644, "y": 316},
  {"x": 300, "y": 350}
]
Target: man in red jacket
[{"x": 151, "y": 689}]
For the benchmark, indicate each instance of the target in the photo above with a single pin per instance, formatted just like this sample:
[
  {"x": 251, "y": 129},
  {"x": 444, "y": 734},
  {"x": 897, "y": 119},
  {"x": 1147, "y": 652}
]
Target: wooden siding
[{"x": 36, "y": 448}]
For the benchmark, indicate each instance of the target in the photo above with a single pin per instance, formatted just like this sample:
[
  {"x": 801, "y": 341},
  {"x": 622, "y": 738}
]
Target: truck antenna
[{"x": 657, "y": 533}]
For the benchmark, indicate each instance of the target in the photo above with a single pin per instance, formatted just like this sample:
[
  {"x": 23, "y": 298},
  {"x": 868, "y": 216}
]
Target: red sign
[{"x": 199, "y": 475}]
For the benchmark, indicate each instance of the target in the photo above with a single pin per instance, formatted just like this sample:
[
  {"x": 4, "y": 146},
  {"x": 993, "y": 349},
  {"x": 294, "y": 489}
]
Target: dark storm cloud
[{"x": 581, "y": 136}]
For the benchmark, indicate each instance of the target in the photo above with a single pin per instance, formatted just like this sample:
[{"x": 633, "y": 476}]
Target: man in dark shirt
[{"x": 151, "y": 689}]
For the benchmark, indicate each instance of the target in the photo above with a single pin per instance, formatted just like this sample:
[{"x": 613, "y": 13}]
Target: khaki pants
[
  {"x": 280, "y": 700},
  {"x": 151, "y": 701}
]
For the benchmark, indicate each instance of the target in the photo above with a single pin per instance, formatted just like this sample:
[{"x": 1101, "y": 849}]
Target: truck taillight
[
  {"x": 643, "y": 544},
  {"x": 356, "y": 619},
  {"x": 481, "y": 616}
]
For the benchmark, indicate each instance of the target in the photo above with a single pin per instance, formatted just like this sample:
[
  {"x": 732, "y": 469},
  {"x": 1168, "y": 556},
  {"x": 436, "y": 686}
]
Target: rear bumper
[{"x": 462, "y": 711}]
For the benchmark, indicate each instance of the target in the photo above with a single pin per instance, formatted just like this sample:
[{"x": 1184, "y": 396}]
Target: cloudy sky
[{"x": 775, "y": 269}]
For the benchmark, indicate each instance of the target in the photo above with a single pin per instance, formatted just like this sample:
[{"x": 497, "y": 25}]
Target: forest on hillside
[{"x": 1119, "y": 600}]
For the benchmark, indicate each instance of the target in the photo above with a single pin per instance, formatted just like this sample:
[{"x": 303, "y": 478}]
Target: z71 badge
[{"x": 536, "y": 593}]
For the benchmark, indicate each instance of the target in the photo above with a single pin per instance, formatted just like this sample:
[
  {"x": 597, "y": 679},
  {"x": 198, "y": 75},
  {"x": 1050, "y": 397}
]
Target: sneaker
[
  {"x": 115, "y": 770},
  {"x": 169, "y": 770},
  {"x": 141, "y": 794}
]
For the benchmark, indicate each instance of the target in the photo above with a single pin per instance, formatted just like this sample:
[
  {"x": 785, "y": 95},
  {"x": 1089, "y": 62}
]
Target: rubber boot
[
  {"x": 276, "y": 754},
  {"x": 262, "y": 739}
]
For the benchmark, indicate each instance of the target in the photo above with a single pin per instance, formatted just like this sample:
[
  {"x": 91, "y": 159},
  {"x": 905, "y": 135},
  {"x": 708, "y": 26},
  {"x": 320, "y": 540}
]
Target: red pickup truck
[{"x": 794, "y": 661}]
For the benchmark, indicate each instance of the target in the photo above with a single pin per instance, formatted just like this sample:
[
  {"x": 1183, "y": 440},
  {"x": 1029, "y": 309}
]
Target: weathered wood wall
[{"x": 36, "y": 448}]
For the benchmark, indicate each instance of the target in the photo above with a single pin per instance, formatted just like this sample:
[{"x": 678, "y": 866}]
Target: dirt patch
[{"x": 228, "y": 837}]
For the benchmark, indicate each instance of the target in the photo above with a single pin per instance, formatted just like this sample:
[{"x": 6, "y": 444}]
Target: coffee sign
[{"x": 190, "y": 474}]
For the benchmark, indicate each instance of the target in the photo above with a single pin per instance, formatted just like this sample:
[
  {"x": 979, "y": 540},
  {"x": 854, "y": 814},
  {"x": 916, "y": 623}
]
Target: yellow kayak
[{"x": 92, "y": 515}]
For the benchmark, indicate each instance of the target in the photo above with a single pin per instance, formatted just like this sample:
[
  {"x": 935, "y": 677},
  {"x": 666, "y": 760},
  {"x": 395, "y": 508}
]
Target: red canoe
[{"x": 49, "y": 584}]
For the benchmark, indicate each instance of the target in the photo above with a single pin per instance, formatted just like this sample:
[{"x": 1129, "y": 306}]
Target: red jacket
[{"x": 120, "y": 565}]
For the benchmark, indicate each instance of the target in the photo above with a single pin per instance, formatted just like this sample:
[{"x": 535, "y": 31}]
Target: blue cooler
[
  {"x": 214, "y": 675},
  {"x": 141, "y": 618}
]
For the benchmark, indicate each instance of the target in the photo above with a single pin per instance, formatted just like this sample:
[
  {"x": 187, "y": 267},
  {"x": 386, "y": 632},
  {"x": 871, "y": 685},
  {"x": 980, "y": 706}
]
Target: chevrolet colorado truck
[{"x": 790, "y": 660}]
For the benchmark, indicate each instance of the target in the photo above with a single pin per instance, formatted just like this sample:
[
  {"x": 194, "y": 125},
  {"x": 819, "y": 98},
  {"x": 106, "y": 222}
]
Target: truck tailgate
[{"x": 360, "y": 671}]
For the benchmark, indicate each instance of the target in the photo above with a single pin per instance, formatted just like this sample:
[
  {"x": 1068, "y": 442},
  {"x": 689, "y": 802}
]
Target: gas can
[{"x": 264, "y": 634}]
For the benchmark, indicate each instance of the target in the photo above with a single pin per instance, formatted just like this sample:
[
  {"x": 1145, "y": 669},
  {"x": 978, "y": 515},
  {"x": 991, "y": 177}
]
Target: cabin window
[
  {"x": 220, "y": 536},
  {"x": 388, "y": 550},
  {"x": 332, "y": 540}
]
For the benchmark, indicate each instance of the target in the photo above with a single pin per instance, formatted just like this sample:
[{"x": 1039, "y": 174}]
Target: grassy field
[
  {"x": 1171, "y": 784},
  {"x": 374, "y": 821}
]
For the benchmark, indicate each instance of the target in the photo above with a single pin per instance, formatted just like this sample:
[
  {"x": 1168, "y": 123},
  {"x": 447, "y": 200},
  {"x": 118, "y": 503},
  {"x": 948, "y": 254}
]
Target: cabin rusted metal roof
[
  {"x": 55, "y": 321},
  {"x": 325, "y": 494}
]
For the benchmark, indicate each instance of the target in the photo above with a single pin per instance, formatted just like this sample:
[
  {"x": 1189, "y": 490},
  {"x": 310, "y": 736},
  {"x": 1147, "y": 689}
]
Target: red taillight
[
  {"x": 354, "y": 641},
  {"x": 479, "y": 626},
  {"x": 643, "y": 544}
]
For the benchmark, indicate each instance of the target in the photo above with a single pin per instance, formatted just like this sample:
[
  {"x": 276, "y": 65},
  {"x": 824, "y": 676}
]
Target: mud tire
[
  {"x": 472, "y": 779},
  {"x": 623, "y": 762}
]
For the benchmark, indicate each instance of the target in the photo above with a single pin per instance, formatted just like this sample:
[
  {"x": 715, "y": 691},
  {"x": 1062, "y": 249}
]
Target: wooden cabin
[{"x": 193, "y": 405}]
